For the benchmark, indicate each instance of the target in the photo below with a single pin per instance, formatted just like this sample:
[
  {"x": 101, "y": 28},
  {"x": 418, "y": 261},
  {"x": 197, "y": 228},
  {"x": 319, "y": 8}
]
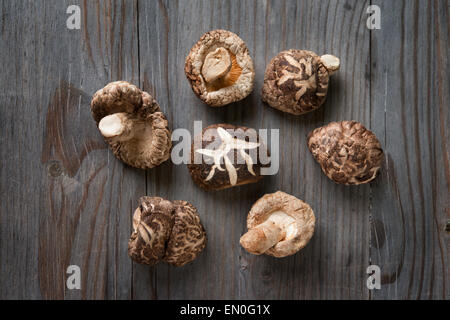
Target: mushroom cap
[
  {"x": 166, "y": 230},
  {"x": 296, "y": 82},
  {"x": 240, "y": 170},
  {"x": 347, "y": 152},
  {"x": 241, "y": 84},
  {"x": 188, "y": 237},
  {"x": 152, "y": 226},
  {"x": 301, "y": 230},
  {"x": 139, "y": 106}
]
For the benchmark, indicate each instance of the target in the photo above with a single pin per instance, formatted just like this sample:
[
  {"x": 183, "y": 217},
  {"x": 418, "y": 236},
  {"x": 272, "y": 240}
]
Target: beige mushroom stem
[
  {"x": 216, "y": 64},
  {"x": 118, "y": 126},
  {"x": 330, "y": 62},
  {"x": 277, "y": 227}
]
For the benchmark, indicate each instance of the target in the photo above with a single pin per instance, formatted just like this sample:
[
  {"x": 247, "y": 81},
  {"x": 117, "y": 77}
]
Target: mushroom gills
[
  {"x": 279, "y": 226},
  {"x": 121, "y": 127},
  {"x": 220, "y": 69}
]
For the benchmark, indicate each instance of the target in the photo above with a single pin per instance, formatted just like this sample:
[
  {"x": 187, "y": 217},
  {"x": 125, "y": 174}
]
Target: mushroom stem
[
  {"x": 330, "y": 62},
  {"x": 118, "y": 126},
  {"x": 267, "y": 234},
  {"x": 216, "y": 65},
  {"x": 258, "y": 240}
]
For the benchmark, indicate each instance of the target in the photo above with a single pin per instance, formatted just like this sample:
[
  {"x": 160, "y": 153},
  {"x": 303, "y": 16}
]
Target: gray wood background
[{"x": 65, "y": 199}]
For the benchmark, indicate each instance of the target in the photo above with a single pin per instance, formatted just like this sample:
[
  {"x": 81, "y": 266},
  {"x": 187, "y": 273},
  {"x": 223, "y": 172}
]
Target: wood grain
[
  {"x": 410, "y": 112},
  {"x": 66, "y": 200}
]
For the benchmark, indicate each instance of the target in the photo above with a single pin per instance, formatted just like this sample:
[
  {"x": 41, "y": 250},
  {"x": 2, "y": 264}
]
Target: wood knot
[
  {"x": 267, "y": 276},
  {"x": 243, "y": 263},
  {"x": 54, "y": 168}
]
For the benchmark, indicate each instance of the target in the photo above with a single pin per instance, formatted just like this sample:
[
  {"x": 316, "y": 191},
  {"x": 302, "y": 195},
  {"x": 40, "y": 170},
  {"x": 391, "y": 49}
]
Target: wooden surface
[{"x": 66, "y": 200}]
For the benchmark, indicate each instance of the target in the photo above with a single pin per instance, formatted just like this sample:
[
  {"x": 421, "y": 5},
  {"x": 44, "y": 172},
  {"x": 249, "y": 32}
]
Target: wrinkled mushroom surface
[
  {"x": 166, "y": 230},
  {"x": 347, "y": 152},
  {"x": 152, "y": 225},
  {"x": 220, "y": 69},
  {"x": 278, "y": 225},
  {"x": 188, "y": 237},
  {"x": 296, "y": 81},
  {"x": 132, "y": 123},
  {"x": 225, "y": 156}
]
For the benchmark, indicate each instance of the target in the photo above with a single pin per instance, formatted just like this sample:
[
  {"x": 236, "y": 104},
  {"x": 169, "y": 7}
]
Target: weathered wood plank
[
  {"x": 65, "y": 198},
  {"x": 333, "y": 265},
  {"x": 410, "y": 94}
]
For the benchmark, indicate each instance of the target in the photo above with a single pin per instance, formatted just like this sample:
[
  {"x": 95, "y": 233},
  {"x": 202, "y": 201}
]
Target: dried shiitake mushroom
[
  {"x": 224, "y": 156},
  {"x": 132, "y": 123},
  {"x": 166, "y": 230},
  {"x": 296, "y": 81},
  {"x": 220, "y": 69},
  {"x": 279, "y": 225},
  {"x": 347, "y": 152}
]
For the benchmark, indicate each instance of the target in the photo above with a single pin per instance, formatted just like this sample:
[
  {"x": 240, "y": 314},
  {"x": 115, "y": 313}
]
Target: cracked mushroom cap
[
  {"x": 296, "y": 81},
  {"x": 165, "y": 230},
  {"x": 347, "y": 152},
  {"x": 132, "y": 123},
  {"x": 278, "y": 225},
  {"x": 188, "y": 237},
  {"x": 225, "y": 156},
  {"x": 220, "y": 69}
]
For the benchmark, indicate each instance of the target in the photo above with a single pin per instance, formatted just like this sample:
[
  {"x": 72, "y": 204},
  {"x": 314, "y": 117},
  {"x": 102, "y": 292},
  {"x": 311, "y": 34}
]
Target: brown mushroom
[
  {"x": 225, "y": 156},
  {"x": 165, "y": 230},
  {"x": 347, "y": 152},
  {"x": 132, "y": 123},
  {"x": 296, "y": 81},
  {"x": 188, "y": 237},
  {"x": 278, "y": 225},
  {"x": 220, "y": 69},
  {"x": 152, "y": 225}
]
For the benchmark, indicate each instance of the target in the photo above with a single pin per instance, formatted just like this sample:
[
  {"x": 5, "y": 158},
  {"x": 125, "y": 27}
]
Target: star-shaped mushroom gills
[
  {"x": 225, "y": 156},
  {"x": 229, "y": 143}
]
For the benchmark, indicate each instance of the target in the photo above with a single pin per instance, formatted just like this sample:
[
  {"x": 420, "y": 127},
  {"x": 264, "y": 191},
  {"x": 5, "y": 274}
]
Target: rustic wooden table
[{"x": 66, "y": 200}]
